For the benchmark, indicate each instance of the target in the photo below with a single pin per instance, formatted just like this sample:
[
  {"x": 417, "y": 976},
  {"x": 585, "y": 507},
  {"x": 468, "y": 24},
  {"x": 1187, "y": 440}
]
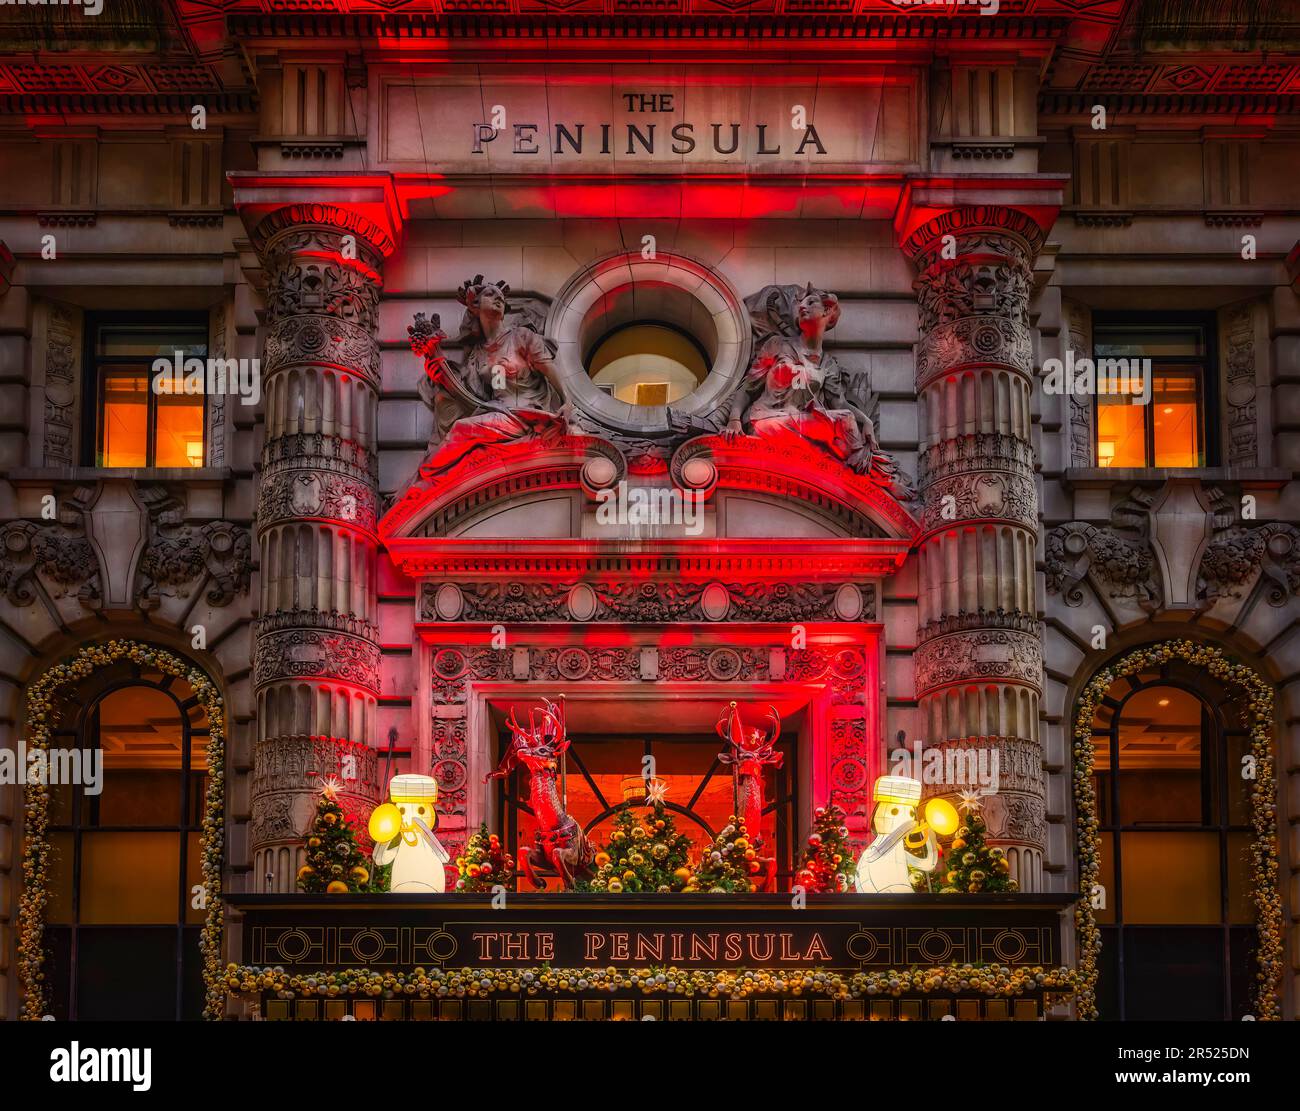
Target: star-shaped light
[
  {"x": 655, "y": 790},
  {"x": 970, "y": 802},
  {"x": 330, "y": 788}
]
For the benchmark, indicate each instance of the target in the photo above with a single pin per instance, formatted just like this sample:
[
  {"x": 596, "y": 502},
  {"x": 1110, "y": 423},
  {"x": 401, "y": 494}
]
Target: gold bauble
[
  {"x": 305, "y": 871},
  {"x": 336, "y": 887}
]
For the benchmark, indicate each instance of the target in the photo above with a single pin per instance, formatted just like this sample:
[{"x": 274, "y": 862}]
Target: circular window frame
[{"x": 702, "y": 303}]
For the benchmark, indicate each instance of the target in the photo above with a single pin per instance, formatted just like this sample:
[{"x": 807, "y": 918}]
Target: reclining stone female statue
[
  {"x": 506, "y": 388},
  {"x": 796, "y": 388}
]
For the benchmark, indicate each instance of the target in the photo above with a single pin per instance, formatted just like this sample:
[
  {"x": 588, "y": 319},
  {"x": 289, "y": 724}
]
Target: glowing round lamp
[
  {"x": 941, "y": 816},
  {"x": 386, "y": 823}
]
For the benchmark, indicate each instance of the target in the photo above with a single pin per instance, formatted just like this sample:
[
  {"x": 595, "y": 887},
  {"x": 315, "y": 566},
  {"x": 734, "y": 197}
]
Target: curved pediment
[{"x": 581, "y": 488}]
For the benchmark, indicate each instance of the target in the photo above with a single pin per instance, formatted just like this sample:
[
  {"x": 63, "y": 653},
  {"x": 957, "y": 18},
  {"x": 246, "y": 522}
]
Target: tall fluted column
[
  {"x": 979, "y": 656},
  {"x": 316, "y": 665}
]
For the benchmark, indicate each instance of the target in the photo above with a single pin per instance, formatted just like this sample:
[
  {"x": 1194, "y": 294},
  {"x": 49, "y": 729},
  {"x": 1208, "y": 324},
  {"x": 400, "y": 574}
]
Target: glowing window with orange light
[
  {"x": 132, "y": 425},
  {"x": 1171, "y": 429}
]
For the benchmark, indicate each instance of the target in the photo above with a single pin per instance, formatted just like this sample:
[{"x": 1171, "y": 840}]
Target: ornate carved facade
[{"x": 587, "y": 404}]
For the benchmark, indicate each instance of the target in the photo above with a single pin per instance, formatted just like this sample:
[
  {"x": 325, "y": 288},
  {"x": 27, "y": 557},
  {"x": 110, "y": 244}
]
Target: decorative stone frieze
[{"x": 655, "y": 601}]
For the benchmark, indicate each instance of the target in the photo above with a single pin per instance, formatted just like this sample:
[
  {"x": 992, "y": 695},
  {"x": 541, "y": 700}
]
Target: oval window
[{"x": 647, "y": 364}]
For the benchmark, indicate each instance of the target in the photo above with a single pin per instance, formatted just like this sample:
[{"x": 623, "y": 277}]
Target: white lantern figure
[
  {"x": 902, "y": 844},
  {"x": 415, "y": 853}
]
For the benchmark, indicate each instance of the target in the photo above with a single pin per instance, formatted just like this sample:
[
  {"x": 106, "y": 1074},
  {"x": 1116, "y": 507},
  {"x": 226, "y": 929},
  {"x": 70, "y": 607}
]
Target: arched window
[
  {"x": 1177, "y": 925},
  {"x": 123, "y": 930}
]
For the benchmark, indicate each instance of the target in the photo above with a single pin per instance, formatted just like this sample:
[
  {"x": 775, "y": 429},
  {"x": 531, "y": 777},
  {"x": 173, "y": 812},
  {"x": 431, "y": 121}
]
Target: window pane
[
  {"x": 60, "y": 871},
  {"x": 129, "y": 878},
  {"x": 140, "y": 733},
  {"x": 124, "y": 425},
  {"x": 1106, "y": 877},
  {"x": 179, "y": 441},
  {"x": 126, "y": 974},
  {"x": 1171, "y": 878},
  {"x": 1241, "y": 905},
  {"x": 1173, "y": 975},
  {"x": 1176, "y": 417},
  {"x": 1150, "y": 342},
  {"x": 146, "y": 341},
  {"x": 1121, "y": 432},
  {"x": 1160, "y": 758}
]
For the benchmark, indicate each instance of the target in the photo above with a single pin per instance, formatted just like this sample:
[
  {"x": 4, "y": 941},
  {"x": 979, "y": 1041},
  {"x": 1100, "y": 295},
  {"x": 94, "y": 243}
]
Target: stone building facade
[{"x": 375, "y": 569}]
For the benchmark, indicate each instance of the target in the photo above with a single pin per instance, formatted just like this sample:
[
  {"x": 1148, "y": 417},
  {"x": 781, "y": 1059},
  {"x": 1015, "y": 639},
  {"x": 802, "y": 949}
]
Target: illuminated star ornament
[
  {"x": 655, "y": 791},
  {"x": 330, "y": 788},
  {"x": 970, "y": 802}
]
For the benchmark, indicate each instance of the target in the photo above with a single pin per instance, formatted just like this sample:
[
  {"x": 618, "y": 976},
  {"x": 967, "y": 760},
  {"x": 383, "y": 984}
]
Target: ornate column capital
[{"x": 992, "y": 231}]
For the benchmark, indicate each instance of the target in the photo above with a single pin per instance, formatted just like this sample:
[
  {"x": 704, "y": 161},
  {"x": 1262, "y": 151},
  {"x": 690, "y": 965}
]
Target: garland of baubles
[
  {"x": 42, "y": 718},
  {"x": 991, "y": 980},
  {"x": 1263, "y": 814}
]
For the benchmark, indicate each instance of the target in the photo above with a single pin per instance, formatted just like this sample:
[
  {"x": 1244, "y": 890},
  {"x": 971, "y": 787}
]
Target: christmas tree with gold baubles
[
  {"x": 827, "y": 866},
  {"x": 645, "y": 852},
  {"x": 485, "y": 863},
  {"x": 335, "y": 862},
  {"x": 972, "y": 866},
  {"x": 730, "y": 865}
]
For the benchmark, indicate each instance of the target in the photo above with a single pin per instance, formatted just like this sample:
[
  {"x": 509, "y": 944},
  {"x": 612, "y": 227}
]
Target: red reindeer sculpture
[
  {"x": 560, "y": 848},
  {"x": 748, "y": 753}
]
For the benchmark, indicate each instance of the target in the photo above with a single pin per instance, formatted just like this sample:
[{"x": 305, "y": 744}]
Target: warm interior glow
[
  {"x": 1121, "y": 433},
  {"x": 1177, "y": 424},
  {"x": 647, "y": 364},
  {"x": 126, "y": 420}
]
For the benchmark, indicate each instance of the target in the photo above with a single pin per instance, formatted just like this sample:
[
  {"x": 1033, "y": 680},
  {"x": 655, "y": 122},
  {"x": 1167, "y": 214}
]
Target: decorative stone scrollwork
[
  {"x": 58, "y": 552},
  {"x": 312, "y": 653},
  {"x": 1006, "y": 654},
  {"x": 61, "y": 370},
  {"x": 317, "y": 493},
  {"x": 1234, "y": 556},
  {"x": 984, "y": 495},
  {"x": 1124, "y": 567},
  {"x": 322, "y": 341},
  {"x": 648, "y": 602},
  {"x": 177, "y": 554},
  {"x": 1243, "y": 422},
  {"x": 978, "y": 339}
]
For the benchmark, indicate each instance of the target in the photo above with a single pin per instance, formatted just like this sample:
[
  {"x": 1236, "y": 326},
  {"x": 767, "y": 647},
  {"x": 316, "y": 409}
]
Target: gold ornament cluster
[
  {"x": 1263, "y": 814},
  {"x": 42, "y": 718},
  {"x": 991, "y": 980}
]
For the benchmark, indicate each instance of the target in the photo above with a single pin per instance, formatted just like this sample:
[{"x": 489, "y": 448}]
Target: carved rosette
[
  {"x": 979, "y": 661},
  {"x": 316, "y": 664}
]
